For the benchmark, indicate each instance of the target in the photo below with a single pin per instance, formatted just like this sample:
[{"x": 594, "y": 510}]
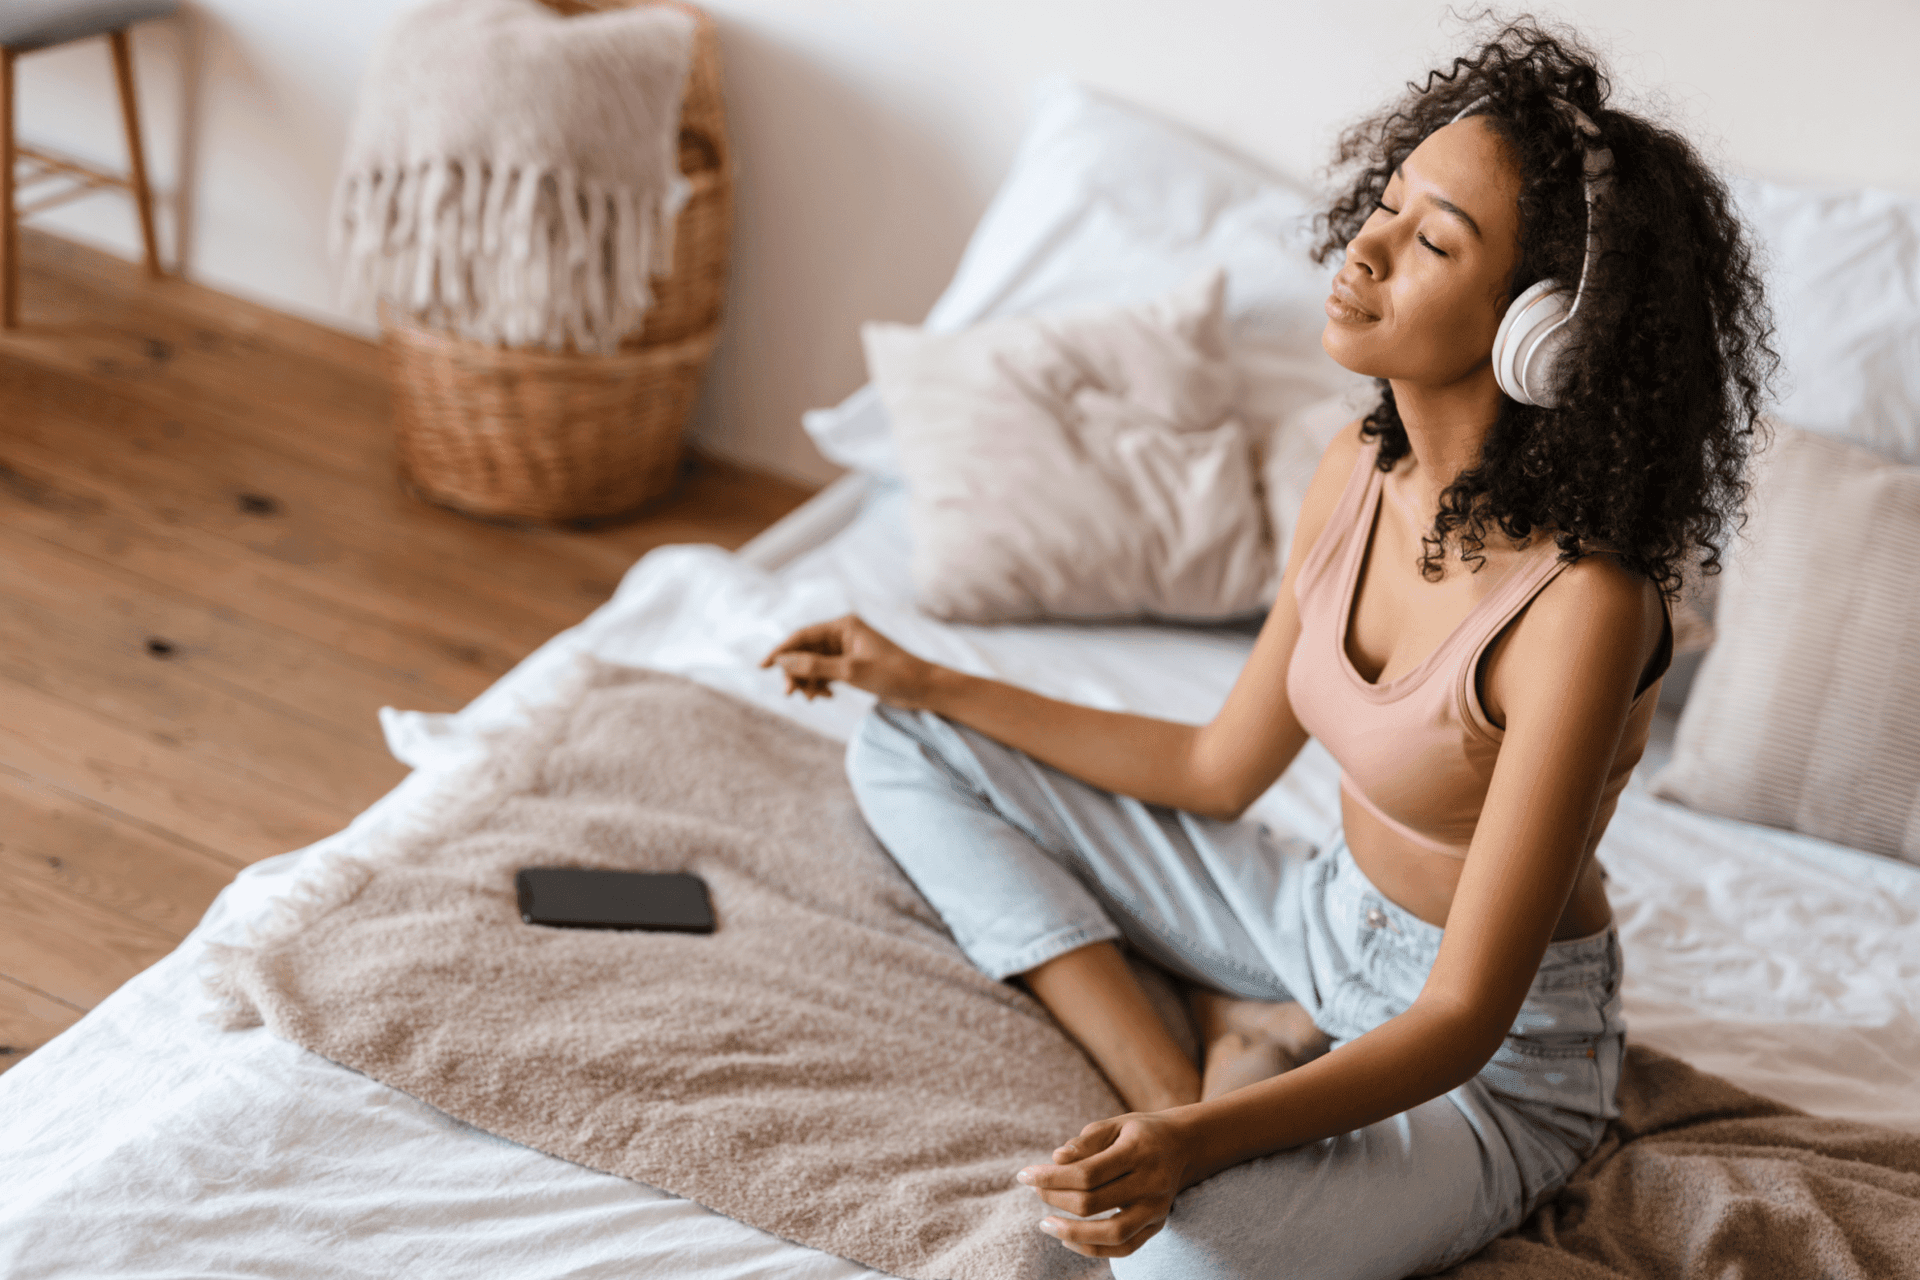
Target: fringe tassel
[
  {"x": 227, "y": 965},
  {"x": 516, "y": 255}
]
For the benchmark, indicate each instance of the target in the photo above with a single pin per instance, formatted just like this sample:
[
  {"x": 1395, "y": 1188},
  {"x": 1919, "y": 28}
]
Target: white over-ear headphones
[{"x": 1526, "y": 350}]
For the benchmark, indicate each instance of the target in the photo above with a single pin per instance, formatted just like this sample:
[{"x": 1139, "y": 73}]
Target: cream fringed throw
[
  {"x": 513, "y": 175},
  {"x": 826, "y": 1066}
]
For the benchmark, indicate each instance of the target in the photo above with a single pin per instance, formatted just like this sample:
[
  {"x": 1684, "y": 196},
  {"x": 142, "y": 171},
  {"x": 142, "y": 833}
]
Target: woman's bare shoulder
[
  {"x": 1601, "y": 592},
  {"x": 1597, "y": 621}
]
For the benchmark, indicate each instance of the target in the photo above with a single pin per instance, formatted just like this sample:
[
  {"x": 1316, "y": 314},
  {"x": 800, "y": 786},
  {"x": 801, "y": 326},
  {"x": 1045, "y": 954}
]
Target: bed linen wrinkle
[{"x": 1787, "y": 964}]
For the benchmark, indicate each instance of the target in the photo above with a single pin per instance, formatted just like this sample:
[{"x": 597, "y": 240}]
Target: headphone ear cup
[{"x": 1528, "y": 345}]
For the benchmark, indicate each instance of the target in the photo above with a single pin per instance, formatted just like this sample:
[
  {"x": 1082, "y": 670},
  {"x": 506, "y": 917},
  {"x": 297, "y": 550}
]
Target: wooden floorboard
[
  {"x": 28, "y": 1019},
  {"x": 250, "y": 584},
  {"x": 371, "y": 551},
  {"x": 68, "y": 947},
  {"x": 151, "y": 773},
  {"x": 56, "y": 838},
  {"x": 140, "y": 682},
  {"x": 132, "y": 614},
  {"x": 210, "y": 581}
]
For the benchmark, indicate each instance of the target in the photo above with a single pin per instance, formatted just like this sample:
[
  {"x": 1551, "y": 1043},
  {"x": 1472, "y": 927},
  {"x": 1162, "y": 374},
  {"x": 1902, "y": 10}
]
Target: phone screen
[{"x": 588, "y": 898}]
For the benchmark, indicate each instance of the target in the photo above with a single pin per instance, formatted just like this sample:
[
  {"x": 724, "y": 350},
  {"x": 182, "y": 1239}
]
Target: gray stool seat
[{"x": 26, "y": 25}]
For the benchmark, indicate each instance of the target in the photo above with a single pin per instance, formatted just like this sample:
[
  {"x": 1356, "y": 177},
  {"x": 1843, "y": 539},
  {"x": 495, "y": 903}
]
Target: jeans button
[{"x": 1376, "y": 918}]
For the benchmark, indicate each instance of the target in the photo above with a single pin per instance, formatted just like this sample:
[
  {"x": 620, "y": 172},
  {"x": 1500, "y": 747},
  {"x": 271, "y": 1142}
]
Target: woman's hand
[
  {"x": 1135, "y": 1163},
  {"x": 848, "y": 649}
]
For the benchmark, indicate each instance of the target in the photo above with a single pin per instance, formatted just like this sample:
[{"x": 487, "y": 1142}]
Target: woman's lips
[{"x": 1343, "y": 306}]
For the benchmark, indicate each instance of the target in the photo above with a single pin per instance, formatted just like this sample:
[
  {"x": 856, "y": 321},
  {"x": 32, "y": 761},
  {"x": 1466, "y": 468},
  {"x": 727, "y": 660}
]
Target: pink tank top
[{"x": 1417, "y": 751}]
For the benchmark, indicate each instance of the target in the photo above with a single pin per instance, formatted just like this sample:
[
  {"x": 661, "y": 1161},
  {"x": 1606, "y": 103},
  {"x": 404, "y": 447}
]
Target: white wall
[{"x": 871, "y": 133}]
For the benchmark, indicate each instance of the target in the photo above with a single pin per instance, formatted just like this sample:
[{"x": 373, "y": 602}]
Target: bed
[{"x": 147, "y": 1142}]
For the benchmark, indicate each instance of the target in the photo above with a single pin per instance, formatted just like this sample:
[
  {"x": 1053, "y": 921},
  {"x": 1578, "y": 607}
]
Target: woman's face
[{"x": 1425, "y": 281}]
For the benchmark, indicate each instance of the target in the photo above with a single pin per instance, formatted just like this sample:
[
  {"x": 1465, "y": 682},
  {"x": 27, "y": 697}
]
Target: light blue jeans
[{"x": 1025, "y": 863}]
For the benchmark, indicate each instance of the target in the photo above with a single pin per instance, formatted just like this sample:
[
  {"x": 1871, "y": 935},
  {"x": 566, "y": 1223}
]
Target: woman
[{"x": 1474, "y": 621}]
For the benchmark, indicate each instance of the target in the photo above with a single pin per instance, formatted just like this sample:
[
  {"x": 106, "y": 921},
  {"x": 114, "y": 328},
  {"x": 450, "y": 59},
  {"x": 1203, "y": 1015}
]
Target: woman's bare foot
[{"x": 1247, "y": 1041}]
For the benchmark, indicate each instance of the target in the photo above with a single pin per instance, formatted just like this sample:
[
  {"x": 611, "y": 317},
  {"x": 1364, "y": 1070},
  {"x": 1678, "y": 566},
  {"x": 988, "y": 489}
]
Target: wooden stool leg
[
  {"x": 136, "y": 155},
  {"x": 9, "y": 223}
]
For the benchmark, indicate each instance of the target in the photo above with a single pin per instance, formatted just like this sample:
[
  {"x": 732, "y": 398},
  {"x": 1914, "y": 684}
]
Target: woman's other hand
[
  {"x": 846, "y": 648},
  {"x": 1134, "y": 1163}
]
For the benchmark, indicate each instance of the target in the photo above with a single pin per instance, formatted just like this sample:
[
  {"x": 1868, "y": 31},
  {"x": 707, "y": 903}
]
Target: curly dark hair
[{"x": 1669, "y": 359}]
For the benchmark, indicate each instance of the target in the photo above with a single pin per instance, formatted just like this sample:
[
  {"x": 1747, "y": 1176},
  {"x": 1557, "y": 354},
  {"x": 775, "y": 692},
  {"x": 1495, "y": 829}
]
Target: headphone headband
[{"x": 1520, "y": 346}]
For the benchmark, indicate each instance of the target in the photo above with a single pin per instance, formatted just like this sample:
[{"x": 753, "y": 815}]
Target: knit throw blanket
[
  {"x": 513, "y": 175},
  {"x": 828, "y": 1067}
]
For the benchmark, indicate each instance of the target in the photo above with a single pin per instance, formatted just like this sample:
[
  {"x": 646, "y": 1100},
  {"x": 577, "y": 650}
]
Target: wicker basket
[{"x": 563, "y": 437}]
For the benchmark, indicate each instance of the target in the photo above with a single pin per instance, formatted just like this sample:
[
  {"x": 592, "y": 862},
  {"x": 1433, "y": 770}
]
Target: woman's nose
[{"x": 1366, "y": 252}]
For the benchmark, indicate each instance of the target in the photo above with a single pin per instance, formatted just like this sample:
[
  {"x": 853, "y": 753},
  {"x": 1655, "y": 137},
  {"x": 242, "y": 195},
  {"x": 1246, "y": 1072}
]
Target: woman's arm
[
  {"x": 1156, "y": 761},
  {"x": 1568, "y": 680},
  {"x": 1216, "y": 769}
]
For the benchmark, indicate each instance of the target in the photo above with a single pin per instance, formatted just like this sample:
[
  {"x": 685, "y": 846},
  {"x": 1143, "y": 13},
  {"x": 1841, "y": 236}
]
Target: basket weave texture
[{"x": 560, "y": 437}]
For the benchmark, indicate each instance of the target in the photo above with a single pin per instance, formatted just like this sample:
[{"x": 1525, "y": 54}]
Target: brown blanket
[
  {"x": 1698, "y": 1179},
  {"x": 828, "y": 1067}
]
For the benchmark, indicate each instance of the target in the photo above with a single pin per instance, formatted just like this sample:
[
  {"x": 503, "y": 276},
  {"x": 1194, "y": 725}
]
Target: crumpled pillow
[{"x": 1085, "y": 466}]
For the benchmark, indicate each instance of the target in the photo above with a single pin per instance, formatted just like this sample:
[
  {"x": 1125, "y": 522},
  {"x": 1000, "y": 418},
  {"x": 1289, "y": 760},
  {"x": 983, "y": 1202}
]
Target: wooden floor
[{"x": 209, "y": 581}]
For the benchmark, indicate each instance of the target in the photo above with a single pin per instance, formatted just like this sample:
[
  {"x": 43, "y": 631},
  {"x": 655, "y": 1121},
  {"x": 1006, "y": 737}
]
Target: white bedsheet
[{"x": 145, "y": 1142}]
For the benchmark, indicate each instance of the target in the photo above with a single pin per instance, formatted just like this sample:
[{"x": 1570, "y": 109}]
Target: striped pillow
[{"x": 1806, "y": 711}]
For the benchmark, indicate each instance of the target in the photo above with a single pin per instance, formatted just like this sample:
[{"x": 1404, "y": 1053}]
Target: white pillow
[
  {"x": 1084, "y": 466},
  {"x": 1109, "y": 204},
  {"x": 1843, "y": 275},
  {"x": 855, "y": 433}
]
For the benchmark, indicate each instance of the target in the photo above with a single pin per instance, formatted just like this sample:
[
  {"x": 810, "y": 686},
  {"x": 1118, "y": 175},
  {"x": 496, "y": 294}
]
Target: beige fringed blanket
[
  {"x": 513, "y": 175},
  {"x": 828, "y": 1067}
]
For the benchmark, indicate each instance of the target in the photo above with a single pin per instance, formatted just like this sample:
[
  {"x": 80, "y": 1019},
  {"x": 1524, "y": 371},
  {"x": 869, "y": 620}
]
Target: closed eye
[{"x": 1386, "y": 208}]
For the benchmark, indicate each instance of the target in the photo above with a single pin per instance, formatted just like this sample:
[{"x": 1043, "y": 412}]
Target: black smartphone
[{"x": 588, "y": 898}]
